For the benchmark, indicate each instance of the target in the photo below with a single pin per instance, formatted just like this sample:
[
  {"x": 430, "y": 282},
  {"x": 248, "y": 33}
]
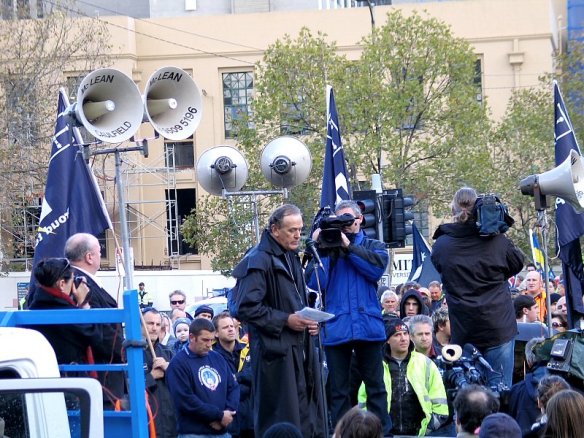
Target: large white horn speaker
[
  {"x": 565, "y": 181},
  {"x": 173, "y": 103},
  {"x": 109, "y": 105},
  {"x": 286, "y": 162},
  {"x": 222, "y": 168}
]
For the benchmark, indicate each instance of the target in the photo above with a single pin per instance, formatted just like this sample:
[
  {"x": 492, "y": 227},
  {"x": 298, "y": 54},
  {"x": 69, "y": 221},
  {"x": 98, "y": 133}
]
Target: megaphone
[
  {"x": 173, "y": 103},
  {"x": 222, "y": 168},
  {"x": 109, "y": 105},
  {"x": 286, "y": 162},
  {"x": 565, "y": 181}
]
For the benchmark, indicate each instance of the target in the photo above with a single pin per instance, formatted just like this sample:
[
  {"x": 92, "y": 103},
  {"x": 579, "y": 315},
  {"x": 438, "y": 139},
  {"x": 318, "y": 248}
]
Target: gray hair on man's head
[
  {"x": 280, "y": 213},
  {"x": 420, "y": 319},
  {"x": 463, "y": 204},
  {"x": 349, "y": 204},
  {"x": 388, "y": 294}
]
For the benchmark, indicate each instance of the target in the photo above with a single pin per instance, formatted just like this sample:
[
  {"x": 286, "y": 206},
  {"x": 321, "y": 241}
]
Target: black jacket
[
  {"x": 474, "y": 273},
  {"x": 69, "y": 341},
  {"x": 286, "y": 371}
]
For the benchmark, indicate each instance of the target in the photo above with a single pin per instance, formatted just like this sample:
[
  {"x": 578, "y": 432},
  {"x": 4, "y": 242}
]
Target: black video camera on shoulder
[
  {"x": 331, "y": 228},
  {"x": 492, "y": 216}
]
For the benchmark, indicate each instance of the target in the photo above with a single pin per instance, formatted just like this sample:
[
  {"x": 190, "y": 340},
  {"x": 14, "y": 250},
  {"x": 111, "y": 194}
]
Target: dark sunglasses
[
  {"x": 558, "y": 324},
  {"x": 177, "y": 302}
]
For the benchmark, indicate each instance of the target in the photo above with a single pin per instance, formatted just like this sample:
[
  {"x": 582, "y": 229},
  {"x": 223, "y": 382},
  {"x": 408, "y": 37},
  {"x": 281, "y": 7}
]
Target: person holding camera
[
  {"x": 474, "y": 271},
  {"x": 56, "y": 290},
  {"x": 352, "y": 267}
]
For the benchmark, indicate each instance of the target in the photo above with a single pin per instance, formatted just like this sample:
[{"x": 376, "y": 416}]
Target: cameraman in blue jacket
[{"x": 352, "y": 269}]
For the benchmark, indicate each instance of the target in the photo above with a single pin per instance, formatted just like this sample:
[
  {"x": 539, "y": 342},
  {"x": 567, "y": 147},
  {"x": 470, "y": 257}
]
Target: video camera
[
  {"x": 460, "y": 367},
  {"x": 331, "y": 228},
  {"x": 492, "y": 216}
]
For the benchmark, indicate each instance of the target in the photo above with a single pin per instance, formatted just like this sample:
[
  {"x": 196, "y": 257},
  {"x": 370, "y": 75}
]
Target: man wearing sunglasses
[{"x": 178, "y": 300}]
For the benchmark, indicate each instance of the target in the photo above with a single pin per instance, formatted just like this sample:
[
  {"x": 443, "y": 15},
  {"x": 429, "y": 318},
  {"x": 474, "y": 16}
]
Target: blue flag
[
  {"x": 335, "y": 179},
  {"x": 570, "y": 225},
  {"x": 72, "y": 202},
  {"x": 423, "y": 270}
]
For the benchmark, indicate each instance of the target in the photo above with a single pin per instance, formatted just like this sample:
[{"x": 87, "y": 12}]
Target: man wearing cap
[
  {"x": 204, "y": 311},
  {"x": 415, "y": 392},
  {"x": 526, "y": 309},
  {"x": 499, "y": 425},
  {"x": 144, "y": 298}
]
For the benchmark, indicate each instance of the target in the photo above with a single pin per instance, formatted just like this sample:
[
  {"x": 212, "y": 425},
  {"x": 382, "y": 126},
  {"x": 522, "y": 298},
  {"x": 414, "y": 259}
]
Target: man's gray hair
[
  {"x": 387, "y": 294},
  {"x": 177, "y": 292},
  {"x": 78, "y": 245},
  {"x": 280, "y": 213},
  {"x": 420, "y": 319},
  {"x": 349, "y": 204},
  {"x": 530, "y": 355}
]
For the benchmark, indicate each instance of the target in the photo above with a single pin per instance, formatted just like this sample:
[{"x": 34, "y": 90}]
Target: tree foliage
[
  {"x": 407, "y": 110},
  {"x": 35, "y": 57}
]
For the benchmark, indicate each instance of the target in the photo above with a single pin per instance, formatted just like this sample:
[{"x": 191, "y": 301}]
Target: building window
[
  {"x": 180, "y": 203},
  {"x": 478, "y": 79},
  {"x": 180, "y": 154},
  {"x": 237, "y": 94}
]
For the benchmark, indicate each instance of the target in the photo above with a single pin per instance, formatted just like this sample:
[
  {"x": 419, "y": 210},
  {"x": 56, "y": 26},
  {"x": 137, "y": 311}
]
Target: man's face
[
  {"x": 201, "y": 345},
  {"x": 533, "y": 283},
  {"x": 355, "y": 226},
  {"x": 389, "y": 304},
  {"x": 561, "y": 306},
  {"x": 435, "y": 292},
  {"x": 412, "y": 307},
  {"x": 288, "y": 235},
  {"x": 205, "y": 315},
  {"x": 177, "y": 301},
  {"x": 422, "y": 336},
  {"x": 93, "y": 257},
  {"x": 153, "y": 322},
  {"x": 399, "y": 343},
  {"x": 226, "y": 330},
  {"x": 532, "y": 314},
  {"x": 141, "y": 286}
]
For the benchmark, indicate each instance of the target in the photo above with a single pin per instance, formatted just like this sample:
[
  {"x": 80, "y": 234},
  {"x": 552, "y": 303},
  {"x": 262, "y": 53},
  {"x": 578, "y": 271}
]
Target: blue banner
[
  {"x": 570, "y": 225},
  {"x": 72, "y": 202},
  {"x": 423, "y": 270},
  {"x": 335, "y": 178}
]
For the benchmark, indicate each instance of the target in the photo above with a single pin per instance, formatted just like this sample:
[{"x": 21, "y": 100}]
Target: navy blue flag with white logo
[
  {"x": 72, "y": 202},
  {"x": 570, "y": 225},
  {"x": 335, "y": 179},
  {"x": 423, "y": 270}
]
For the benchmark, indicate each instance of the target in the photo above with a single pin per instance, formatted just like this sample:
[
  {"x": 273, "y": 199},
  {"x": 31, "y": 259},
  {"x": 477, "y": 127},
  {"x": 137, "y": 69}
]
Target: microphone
[
  {"x": 476, "y": 355},
  {"x": 311, "y": 248}
]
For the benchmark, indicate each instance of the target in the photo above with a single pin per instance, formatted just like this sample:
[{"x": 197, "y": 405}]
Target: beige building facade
[{"x": 515, "y": 41}]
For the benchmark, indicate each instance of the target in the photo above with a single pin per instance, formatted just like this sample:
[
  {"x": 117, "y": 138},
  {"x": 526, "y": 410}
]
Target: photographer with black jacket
[{"x": 474, "y": 272}]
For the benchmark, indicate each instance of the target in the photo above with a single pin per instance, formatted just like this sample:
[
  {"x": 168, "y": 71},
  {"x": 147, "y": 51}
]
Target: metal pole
[
  {"x": 542, "y": 222},
  {"x": 129, "y": 265}
]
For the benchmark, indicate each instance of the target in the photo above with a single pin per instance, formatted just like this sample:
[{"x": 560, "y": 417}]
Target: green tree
[
  {"x": 407, "y": 110},
  {"x": 34, "y": 54}
]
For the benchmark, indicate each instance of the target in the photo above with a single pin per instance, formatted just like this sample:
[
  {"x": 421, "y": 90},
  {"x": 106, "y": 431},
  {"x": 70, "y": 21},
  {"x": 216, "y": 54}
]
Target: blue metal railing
[{"x": 132, "y": 423}]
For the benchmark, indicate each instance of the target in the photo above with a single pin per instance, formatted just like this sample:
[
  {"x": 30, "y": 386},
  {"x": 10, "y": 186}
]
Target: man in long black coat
[{"x": 270, "y": 290}]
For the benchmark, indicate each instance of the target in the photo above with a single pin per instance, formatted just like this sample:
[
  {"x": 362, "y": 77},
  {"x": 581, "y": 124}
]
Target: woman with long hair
[{"x": 564, "y": 415}]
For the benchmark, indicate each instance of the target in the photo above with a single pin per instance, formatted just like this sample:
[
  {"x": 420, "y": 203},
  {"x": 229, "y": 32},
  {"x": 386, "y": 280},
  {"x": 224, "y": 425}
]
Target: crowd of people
[{"x": 385, "y": 364}]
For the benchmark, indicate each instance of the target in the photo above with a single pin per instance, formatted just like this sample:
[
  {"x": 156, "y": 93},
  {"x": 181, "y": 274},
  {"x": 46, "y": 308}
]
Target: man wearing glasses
[{"x": 178, "y": 300}]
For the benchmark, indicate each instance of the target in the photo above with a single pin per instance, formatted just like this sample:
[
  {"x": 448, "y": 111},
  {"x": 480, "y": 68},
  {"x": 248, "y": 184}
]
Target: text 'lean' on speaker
[{"x": 173, "y": 103}]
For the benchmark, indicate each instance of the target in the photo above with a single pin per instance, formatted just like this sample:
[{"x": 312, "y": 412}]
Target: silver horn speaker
[
  {"x": 222, "y": 168},
  {"x": 565, "y": 181},
  {"x": 286, "y": 162},
  {"x": 109, "y": 105},
  {"x": 173, "y": 103}
]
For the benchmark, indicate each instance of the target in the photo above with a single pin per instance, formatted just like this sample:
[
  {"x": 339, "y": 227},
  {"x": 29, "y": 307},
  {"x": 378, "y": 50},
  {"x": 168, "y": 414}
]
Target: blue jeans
[{"x": 501, "y": 358}]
